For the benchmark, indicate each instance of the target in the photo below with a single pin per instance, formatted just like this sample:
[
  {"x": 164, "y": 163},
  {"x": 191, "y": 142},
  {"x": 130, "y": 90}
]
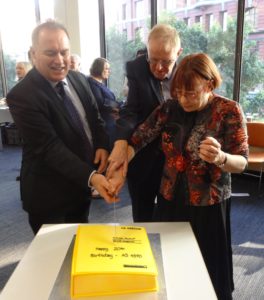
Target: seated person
[{"x": 107, "y": 104}]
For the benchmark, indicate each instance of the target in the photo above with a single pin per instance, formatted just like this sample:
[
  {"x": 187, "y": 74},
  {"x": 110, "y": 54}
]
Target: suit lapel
[
  {"x": 52, "y": 96},
  {"x": 79, "y": 89},
  {"x": 154, "y": 83},
  {"x": 79, "y": 84}
]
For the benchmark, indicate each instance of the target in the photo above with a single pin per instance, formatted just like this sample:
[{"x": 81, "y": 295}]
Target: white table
[
  {"x": 185, "y": 272},
  {"x": 5, "y": 116}
]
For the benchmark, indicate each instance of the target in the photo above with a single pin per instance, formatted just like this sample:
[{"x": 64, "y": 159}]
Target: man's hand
[
  {"x": 101, "y": 156},
  {"x": 118, "y": 159},
  {"x": 104, "y": 188}
]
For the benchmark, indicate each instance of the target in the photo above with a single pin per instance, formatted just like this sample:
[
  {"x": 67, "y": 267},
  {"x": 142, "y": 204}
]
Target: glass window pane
[
  {"x": 1, "y": 88},
  {"x": 202, "y": 26},
  {"x": 16, "y": 38},
  {"x": 252, "y": 77},
  {"x": 89, "y": 42},
  {"x": 127, "y": 25}
]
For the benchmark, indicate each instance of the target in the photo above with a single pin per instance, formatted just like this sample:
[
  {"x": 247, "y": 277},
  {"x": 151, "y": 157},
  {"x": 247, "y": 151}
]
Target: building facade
[{"x": 134, "y": 16}]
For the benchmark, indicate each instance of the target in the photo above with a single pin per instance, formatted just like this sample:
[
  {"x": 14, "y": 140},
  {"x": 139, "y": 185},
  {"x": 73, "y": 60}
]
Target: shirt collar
[
  {"x": 53, "y": 84},
  {"x": 169, "y": 75}
]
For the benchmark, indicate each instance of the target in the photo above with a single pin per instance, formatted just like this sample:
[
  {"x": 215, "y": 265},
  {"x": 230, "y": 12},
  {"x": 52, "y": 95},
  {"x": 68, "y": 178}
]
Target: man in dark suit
[
  {"x": 60, "y": 160},
  {"x": 149, "y": 79}
]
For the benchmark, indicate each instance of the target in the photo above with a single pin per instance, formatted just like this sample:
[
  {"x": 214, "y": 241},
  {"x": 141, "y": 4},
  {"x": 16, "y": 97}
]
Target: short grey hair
[
  {"x": 167, "y": 36},
  {"x": 50, "y": 25}
]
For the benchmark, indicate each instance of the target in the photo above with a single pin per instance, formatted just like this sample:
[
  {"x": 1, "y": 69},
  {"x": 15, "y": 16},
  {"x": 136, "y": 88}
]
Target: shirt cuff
[{"x": 89, "y": 179}]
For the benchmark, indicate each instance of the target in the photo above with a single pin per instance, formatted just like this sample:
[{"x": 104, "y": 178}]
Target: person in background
[
  {"x": 141, "y": 51},
  {"x": 22, "y": 68},
  {"x": 204, "y": 139},
  {"x": 107, "y": 104},
  {"x": 65, "y": 146},
  {"x": 105, "y": 98},
  {"x": 75, "y": 63},
  {"x": 149, "y": 78}
]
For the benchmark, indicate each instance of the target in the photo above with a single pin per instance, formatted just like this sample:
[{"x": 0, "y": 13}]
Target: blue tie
[{"x": 76, "y": 120}]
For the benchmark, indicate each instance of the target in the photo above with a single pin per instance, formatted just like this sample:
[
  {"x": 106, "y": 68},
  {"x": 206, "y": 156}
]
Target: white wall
[{"x": 81, "y": 18}]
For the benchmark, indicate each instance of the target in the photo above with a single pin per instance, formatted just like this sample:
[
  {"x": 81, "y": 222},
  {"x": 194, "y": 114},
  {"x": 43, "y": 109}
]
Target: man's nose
[
  {"x": 59, "y": 58},
  {"x": 159, "y": 66}
]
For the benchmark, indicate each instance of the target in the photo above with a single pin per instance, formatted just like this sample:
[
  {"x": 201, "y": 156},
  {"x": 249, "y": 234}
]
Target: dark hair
[
  {"x": 97, "y": 66},
  {"x": 50, "y": 25},
  {"x": 141, "y": 51}
]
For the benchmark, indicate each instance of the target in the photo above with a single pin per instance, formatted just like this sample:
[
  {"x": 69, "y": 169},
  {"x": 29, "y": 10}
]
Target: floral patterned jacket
[{"x": 181, "y": 134}]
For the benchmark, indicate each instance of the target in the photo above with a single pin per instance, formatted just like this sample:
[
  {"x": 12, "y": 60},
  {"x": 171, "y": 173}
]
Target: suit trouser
[
  {"x": 74, "y": 214},
  {"x": 143, "y": 179}
]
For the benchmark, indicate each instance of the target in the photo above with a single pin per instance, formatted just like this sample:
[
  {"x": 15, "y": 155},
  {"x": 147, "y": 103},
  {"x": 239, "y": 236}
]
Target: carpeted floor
[{"x": 247, "y": 226}]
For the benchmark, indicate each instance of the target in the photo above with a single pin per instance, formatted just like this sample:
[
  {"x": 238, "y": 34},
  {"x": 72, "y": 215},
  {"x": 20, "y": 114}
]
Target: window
[
  {"x": 127, "y": 25},
  {"x": 139, "y": 9},
  {"x": 187, "y": 21},
  {"x": 16, "y": 40},
  {"x": 252, "y": 77},
  {"x": 1, "y": 89},
  {"x": 124, "y": 38},
  {"x": 223, "y": 20},
  {"x": 125, "y": 33},
  {"x": 139, "y": 33},
  {"x": 209, "y": 19},
  {"x": 197, "y": 37},
  {"x": 251, "y": 16},
  {"x": 124, "y": 11},
  {"x": 199, "y": 19}
]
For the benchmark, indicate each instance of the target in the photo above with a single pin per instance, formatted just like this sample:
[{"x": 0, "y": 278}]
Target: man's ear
[
  {"x": 32, "y": 52},
  {"x": 179, "y": 52},
  {"x": 211, "y": 85}
]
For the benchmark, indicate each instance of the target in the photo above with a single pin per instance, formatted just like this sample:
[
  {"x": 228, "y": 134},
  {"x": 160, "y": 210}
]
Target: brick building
[{"x": 134, "y": 15}]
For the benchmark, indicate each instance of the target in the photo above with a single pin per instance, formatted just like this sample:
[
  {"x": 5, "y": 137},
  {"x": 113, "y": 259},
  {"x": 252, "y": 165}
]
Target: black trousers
[
  {"x": 76, "y": 214},
  {"x": 143, "y": 180},
  {"x": 211, "y": 226}
]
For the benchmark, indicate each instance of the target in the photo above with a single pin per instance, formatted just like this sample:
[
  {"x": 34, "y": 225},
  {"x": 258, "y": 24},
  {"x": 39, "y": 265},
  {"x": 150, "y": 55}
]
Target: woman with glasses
[{"x": 204, "y": 139}]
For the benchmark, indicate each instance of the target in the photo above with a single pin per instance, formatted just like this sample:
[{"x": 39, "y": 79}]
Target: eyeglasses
[
  {"x": 189, "y": 94},
  {"x": 163, "y": 63}
]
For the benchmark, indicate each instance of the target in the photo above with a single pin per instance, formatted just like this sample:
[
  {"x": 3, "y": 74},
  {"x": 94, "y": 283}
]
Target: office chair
[{"x": 256, "y": 150}]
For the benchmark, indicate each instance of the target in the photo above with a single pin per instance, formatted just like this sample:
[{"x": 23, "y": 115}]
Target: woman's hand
[
  {"x": 210, "y": 151},
  {"x": 118, "y": 158},
  {"x": 117, "y": 180}
]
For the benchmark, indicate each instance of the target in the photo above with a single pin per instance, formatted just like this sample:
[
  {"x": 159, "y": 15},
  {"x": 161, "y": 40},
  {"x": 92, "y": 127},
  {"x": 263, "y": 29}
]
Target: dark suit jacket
[
  {"x": 144, "y": 95},
  {"x": 54, "y": 174}
]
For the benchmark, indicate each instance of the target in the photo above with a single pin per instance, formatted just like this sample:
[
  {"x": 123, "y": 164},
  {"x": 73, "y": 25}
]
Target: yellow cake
[{"x": 109, "y": 259}]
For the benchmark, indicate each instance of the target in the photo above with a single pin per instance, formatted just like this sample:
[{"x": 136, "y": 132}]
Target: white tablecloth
[{"x": 5, "y": 116}]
